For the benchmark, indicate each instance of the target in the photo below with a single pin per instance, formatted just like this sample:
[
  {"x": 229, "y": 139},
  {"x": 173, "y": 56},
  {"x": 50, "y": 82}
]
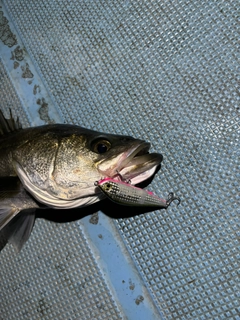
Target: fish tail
[{"x": 15, "y": 226}]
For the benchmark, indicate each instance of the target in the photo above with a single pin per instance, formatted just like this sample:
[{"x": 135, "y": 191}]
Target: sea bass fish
[{"x": 58, "y": 165}]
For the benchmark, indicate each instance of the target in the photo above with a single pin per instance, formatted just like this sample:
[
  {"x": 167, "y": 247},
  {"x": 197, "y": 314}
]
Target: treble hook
[
  {"x": 123, "y": 179},
  {"x": 171, "y": 197}
]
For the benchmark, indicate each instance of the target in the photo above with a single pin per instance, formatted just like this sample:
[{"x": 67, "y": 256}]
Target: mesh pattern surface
[
  {"x": 61, "y": 283},
  {"x": 165, "y": 71},
  {"x": 9, "y": 98}
]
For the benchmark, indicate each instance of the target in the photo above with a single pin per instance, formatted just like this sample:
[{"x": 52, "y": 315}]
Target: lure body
[{"x": 126, "y": 194}]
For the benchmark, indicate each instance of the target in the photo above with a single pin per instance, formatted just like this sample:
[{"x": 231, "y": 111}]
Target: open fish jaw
[{"x": 138, "y": 165}]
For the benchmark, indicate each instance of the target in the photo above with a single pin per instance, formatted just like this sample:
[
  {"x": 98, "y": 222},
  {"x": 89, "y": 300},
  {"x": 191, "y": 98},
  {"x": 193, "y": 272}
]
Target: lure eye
[
  {"x": 101, "y": 146},
  {"x": 108, "y": 187}
]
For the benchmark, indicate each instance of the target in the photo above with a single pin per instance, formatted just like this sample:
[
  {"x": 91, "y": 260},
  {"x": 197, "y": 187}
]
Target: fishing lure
[{"x": 126, "y": 194}]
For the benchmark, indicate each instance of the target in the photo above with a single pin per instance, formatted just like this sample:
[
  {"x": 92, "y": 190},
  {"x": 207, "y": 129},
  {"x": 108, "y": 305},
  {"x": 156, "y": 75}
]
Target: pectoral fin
[
  {"x": 17, "y": 209},
  {"x": 18, "y": 230},
  {"x": 6, "y": 215}
]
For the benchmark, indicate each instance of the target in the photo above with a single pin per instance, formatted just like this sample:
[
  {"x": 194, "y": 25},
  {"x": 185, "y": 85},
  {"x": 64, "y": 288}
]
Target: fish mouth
[{"x": 138, "y": 164}]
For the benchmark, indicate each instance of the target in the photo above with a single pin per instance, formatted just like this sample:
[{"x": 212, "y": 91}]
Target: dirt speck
[
  {"x": 131, "y": 285},
  {"x": 94, "y": 218},
  {"x": 43, "y": 306},
  {"x": 43, "y": 111},
  {"x": 139, "y": 299},
  {"x": 18, "y": 54},
  {"x": 15, "y": 64},
  {"x": 26, "y": 72},
  {"x": 6, "y": 35},
  {"x": 100, "y": 236},
  {"x": 75, "y": 81},
  {"x": 36, "y": 89}
]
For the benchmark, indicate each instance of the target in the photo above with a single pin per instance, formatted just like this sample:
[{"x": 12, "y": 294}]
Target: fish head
[
  {"x": 125, "y": 158},
  {"x": 85, "y": 158}
]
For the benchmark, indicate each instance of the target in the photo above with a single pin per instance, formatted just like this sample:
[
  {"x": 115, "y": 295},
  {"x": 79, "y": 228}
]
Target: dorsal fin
[{"x": 8, "y": 125}]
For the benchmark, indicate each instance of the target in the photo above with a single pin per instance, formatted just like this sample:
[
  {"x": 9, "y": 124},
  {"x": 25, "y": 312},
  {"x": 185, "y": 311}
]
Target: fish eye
[{"x": 101, "y": 146}]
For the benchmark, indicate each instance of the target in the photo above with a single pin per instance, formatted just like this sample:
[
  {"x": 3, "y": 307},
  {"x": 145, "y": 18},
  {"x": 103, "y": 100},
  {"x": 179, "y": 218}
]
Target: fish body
[
  {"x": 126, "y": 194},
  {"x": 58, "y": 164}
]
